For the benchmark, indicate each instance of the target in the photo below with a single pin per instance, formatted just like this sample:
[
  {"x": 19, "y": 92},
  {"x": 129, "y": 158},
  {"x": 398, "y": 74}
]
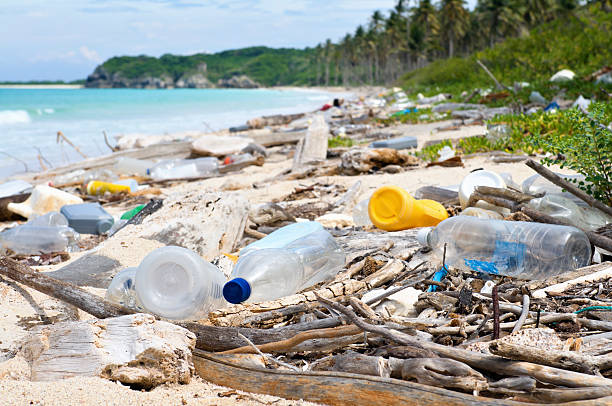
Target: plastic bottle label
[{"x": 507, "y": 256}]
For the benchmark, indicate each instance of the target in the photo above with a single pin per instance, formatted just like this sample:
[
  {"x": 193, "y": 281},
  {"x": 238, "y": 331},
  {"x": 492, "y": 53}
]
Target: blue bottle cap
[{"x": 236, "y": 291}]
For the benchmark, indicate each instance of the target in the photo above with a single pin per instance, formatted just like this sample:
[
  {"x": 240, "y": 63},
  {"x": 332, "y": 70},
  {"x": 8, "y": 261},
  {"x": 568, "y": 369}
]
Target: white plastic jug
[{"x": 43, "y": 200}]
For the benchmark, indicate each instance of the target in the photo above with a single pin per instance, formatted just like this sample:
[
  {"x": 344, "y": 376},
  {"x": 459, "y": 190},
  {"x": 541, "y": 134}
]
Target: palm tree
[
  {"x": 501, "y": 17},
  {"x": 455, "y": 19},
  {"x": 537, "y": 11},
  {"x": 426, "y": 16}
]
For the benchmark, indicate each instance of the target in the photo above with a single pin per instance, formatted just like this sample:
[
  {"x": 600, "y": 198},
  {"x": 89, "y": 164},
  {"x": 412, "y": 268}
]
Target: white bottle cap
[{"x": 422, "y": 235}]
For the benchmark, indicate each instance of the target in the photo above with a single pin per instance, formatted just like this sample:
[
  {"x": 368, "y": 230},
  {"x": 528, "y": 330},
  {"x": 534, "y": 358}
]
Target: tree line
[{"x": 410, "y": 37}]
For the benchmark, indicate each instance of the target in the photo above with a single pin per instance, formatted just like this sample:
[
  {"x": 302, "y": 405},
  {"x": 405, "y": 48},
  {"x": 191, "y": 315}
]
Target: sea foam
[{"x": 14, "y": 117}]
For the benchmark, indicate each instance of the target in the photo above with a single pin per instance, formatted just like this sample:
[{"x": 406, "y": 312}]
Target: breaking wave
[{"x": 14, "y": 117}]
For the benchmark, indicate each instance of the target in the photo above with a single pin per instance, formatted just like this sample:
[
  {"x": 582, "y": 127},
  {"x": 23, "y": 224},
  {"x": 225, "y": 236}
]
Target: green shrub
[
  {"x": 586, "y": 149},
  {"x": 336, "y": 141}
]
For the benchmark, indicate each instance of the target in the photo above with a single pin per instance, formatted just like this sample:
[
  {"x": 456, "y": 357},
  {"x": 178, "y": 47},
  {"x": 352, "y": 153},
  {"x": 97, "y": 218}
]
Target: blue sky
[{"x": 66, "y": 39}]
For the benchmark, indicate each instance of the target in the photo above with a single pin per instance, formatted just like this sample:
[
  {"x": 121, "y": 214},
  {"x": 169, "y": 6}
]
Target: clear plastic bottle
[
  {"x": 283, "y": 236},
  {"x": 176, "y": 283},
  {"x": 132, "y": 166},
  {"x": 520, "y": 249},
  {"x": 273, "y": 272},
  {"x": 538, "y": 184},
  {"x": 51, "y": 219},
  {"x": 185, "y": 168},
  {"x": 122, "y": 292},
  {"x": 563, "y": 208},
  {"x": 361, "y": 217},
  {"x": 32, "y": 240}
]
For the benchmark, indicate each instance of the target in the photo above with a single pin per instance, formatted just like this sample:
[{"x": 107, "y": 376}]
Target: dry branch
[{"x": 559, "y": 181}]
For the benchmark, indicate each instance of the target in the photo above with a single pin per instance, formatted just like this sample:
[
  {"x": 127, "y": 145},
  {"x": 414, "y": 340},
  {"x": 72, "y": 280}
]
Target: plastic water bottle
[
  {"x": 31, "y": 240},
  {"x": 520, "y": 249},
  {"x": 51, "y": 219},
  {"x": 560, "y": 207},
  {"x": 361, "y": 217},
  {"x": 132, "y": 166},
  {"x": 176, "y": 283},
  {"x": 185, "y": 168},
  {"x": 290, "y": 260},
  {"x": 122, "y": 292}
]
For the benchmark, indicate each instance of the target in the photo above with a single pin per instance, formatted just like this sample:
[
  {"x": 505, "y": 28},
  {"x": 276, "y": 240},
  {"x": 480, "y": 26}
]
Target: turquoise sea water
[{"x": 30, "y": 118}]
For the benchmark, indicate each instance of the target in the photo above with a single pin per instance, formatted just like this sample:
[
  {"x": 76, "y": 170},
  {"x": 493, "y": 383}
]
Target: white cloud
[{"x": 90, "y": 54}]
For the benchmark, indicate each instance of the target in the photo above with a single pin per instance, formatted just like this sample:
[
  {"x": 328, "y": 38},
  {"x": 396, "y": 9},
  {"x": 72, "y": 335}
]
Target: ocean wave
[
  {"x": 14, "y": 117},
  {"x": 40, "y": 112}
]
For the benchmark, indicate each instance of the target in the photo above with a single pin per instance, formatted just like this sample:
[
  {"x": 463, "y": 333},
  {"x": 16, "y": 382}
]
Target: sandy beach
[{"x": 24, "y": 308}]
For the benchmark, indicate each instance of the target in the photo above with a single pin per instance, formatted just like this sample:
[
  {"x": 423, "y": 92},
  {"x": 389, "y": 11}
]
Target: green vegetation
[
  {"x": 336, "y": 141},
  {"x": 573, "y": 139},
  {"x": 267, "y": 66},
  {"x": 585, "y": 148},
  {"x": 579, "y": 42}
]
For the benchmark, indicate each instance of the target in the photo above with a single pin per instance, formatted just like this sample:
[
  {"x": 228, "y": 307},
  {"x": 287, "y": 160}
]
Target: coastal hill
[
  {"x": 242, "y": 68},
  {"x": 576, "y": 39}
]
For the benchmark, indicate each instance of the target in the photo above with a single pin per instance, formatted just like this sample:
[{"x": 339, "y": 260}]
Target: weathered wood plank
[{"x": 331, "y": 388}]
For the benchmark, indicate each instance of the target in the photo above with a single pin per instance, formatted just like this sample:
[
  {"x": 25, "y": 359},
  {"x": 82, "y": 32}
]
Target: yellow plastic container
[
  {"x": 391, "y": 208},
  {"x": 96, "y": 187}
]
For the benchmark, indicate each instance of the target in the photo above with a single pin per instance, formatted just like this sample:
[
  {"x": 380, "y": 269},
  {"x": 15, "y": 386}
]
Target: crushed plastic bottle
[
  {"x": 537, "y": 184},
  {"x": 391, "y": 208},
  {"x": 184, "y": 169},
  {"x": 514, "y": 248},
  {"x": 237, "y": 158},
  {"x": 43, "y": 200},
  {"x": 562, "y": 208},
  {"x": 176, "y": 283},
  {"x": 31, "y": 240},
  {"x": 286, "y": 261}
]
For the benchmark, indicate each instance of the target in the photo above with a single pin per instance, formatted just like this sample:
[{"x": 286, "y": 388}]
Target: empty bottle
[
  {"x": 33, "y": 240},
  {"x": 285, "y": 264},
  {"x": 396, "y": 143},
  {"x": 538, "y": 184},
  {"x": 122, "y": 292},
  {"x": 43, "y": 200},
  {"x": 97, "y": 187},
  {"x": 184, "y": 169},
  {"x": 520, "y": 249},
  {"x": 132, "y": 166},
  {"x": 563, "y": 208},
  {"x": 237, "y": 158},
  {"x": 82, "y": 176},
  {"x": 88, "y": 218},
  {"x": 51, "y": 219},
  {"x": 391, "y": 208},
  {"x": 361, "y": 217},
  {"x": 176, "y": 283}
]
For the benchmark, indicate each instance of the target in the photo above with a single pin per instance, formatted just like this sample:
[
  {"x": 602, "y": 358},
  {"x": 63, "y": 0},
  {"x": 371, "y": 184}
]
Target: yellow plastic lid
[{"x": 388, "y": 206}]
